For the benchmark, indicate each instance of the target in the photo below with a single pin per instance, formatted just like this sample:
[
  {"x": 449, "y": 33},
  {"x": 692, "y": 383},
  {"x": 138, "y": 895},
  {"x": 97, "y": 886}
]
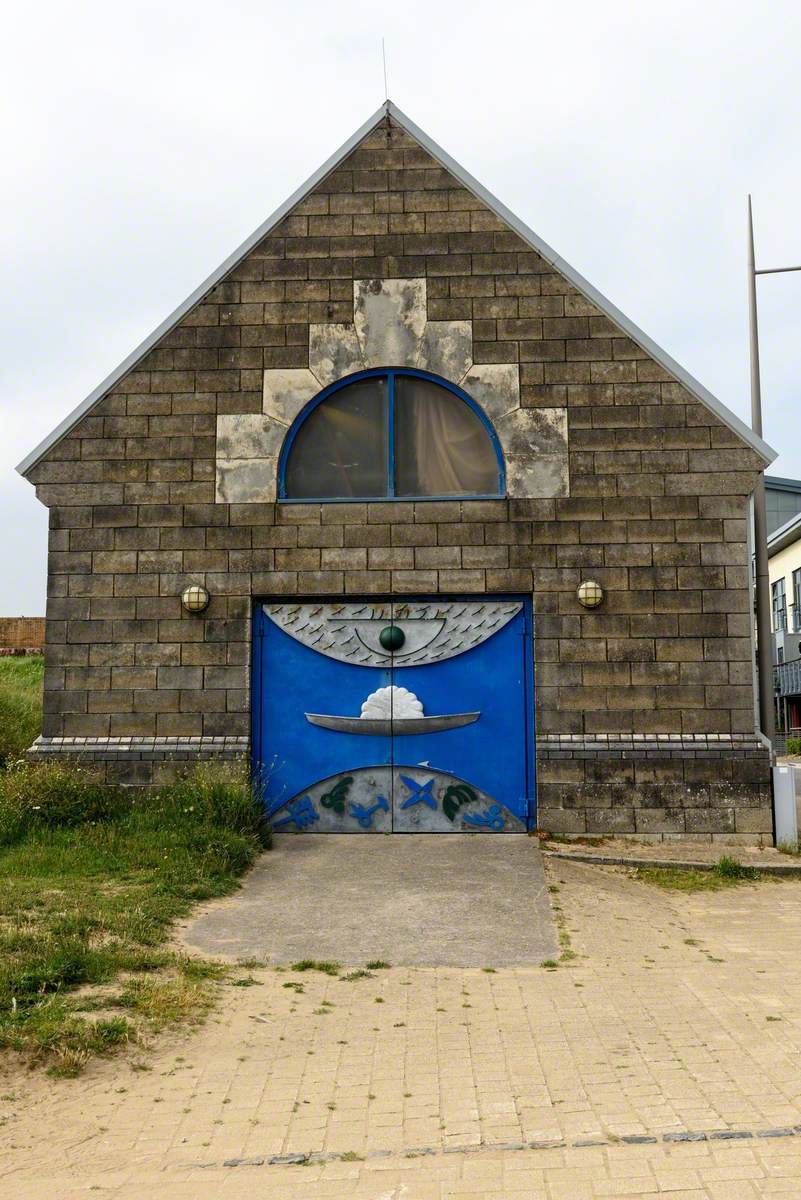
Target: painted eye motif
[
  {"x": 404, "y": 633},
  {"x": 397, "y": 638}
]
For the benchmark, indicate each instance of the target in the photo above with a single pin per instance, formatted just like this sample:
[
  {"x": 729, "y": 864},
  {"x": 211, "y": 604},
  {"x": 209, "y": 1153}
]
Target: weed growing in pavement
[{"x": 727, "y": 872}]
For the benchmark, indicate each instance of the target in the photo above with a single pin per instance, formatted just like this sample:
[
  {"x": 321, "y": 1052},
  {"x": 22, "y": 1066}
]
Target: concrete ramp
[{"x": 411, "y": 900}]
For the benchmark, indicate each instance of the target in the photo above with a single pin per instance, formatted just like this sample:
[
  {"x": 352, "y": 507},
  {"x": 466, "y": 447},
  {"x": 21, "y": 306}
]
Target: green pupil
[{"x": 392, "y": 638}]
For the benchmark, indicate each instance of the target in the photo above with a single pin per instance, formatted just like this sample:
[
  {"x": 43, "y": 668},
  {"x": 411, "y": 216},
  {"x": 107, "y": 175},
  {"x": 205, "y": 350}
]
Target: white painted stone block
[
  {"x": 389, "y": 316},
  {"x": 537, "y": 478},
  {"x": 287, "y": 390},
  {"x": 334, "y": 352},
  {"x": 248, "y": 435},
  {"x": 495, "y": 386},
  {"x": 446, "y": 349},
  {"x": 532, "y": 431},
  {"x": 246, "y": 480}
]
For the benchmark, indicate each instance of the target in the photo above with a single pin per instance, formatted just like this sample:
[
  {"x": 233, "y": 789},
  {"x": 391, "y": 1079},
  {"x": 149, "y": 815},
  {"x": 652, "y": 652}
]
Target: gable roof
[{"x": 388, "y": 109}]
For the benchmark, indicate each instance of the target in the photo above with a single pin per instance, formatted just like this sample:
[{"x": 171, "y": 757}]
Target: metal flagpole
[
  {"x": 785, "y": 823},
  {"x": 764, "y": 645},
  {"x": 764, "y": 653}
]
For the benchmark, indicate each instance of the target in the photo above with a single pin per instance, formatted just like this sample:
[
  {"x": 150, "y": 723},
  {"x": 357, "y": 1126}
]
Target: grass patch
[
  {"x": 727, "y": 872},
  {"x": 173, "y": 1000},
  {"x": 730, "y": 868},
  {"x": 60, "y": 1035},
  {"x": 378, "y": 964},
  {"x": 20, "y": 703},
  {"x": 91, "y": 879},
  {"x": 312, "y": 964}
]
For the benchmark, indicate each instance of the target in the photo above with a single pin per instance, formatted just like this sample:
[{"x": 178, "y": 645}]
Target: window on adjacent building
[
  {"x": 779, "y": 605},
  {"x": 782, "y": 502},
  {"x": 797, "y": 600},
  {"x": 390, "y": 434}
]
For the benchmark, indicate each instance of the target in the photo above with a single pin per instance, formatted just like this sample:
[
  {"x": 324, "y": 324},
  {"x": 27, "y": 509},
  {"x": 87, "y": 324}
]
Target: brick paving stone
[{"x": 658, "y": 1028}]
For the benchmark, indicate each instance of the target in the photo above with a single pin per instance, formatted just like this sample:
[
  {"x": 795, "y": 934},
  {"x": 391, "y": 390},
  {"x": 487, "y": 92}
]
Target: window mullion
[{"x": 391, "y": 433}]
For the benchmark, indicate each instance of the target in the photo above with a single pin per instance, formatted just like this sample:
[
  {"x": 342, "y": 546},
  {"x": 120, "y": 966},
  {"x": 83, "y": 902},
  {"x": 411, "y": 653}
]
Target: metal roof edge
[
  {"x": 783, "y": 537},
  {"x": 233, "y": 260},
  {"x": 779, "y": 484},
  {"x": 583, "y": 285},
  {"x": 471, "y": 184}
]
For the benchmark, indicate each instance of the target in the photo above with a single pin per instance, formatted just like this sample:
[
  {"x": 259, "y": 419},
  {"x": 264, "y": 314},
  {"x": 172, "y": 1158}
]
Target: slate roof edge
[{"x": 389, "y": 109}]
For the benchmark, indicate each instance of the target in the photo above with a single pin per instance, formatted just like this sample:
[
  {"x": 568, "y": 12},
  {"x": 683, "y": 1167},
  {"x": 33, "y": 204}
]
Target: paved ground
[
  {"x": 664, "y": 1059},
  {"x": 413, "y": 900}
]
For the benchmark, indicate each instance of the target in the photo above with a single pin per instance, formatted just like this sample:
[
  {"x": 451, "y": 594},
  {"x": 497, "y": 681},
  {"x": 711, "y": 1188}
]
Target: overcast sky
[{"x": 142, "y": 143}]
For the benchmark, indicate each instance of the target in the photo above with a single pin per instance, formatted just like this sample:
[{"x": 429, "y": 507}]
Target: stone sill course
[{"x": 682, "y": 853}]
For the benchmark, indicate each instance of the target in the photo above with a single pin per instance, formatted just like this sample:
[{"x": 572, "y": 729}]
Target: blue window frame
[{"x": 405, "y": 436}]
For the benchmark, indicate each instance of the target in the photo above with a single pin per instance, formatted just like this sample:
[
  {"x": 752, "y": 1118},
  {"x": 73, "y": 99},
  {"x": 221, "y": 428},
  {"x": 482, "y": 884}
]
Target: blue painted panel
[
  {"x": 290, "y": 753},
  {"x": 492, "y": 753}
]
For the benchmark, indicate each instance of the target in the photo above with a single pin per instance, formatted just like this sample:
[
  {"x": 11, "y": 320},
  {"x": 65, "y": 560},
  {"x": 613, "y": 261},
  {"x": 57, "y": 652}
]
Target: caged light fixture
[
  {"x": 589, "y": 593},
  {"x": 195, "y": 598}
]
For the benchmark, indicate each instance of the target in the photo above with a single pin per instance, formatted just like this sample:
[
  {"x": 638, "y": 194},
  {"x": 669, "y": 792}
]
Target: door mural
[{"x": 406, "y": 716}]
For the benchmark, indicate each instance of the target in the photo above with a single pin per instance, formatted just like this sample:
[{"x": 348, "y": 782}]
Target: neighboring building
[
  {"x": 782, "y": 501},
  {"x": 784, "y": 568},
  {"x": 434, "y": 483},
  {"x": 18, "y": 634}
]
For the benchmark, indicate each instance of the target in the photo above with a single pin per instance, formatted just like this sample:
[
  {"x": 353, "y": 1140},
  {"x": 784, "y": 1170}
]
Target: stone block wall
[
  {"x": 694, "y": 785},
  {"x": 655, "y": 509}
]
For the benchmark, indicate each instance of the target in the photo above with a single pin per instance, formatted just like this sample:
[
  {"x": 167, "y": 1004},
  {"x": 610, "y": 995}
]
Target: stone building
[{"x": 436, "y": 490}]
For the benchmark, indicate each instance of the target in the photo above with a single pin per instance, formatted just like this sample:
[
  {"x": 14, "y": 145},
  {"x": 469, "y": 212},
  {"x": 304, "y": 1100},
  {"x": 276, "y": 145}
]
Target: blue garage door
[{"x": 407, "y": 716}]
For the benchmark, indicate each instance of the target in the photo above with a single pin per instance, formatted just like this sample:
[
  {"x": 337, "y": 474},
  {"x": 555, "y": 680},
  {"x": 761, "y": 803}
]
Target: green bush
[
  {"x": 794, "y": 745},
  {"x": 53, "y": 795},
  {"x": 216, "y": 794},
  {"x": 59, "y": 795},
  {"x": 20, "y": 704}
]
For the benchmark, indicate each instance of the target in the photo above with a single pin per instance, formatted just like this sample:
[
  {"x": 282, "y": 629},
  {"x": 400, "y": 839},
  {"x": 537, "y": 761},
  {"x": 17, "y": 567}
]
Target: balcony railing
[{"x": 787, "y": 678}]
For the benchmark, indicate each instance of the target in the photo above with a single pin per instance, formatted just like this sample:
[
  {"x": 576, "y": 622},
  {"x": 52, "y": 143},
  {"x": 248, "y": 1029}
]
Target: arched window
[{"x": 390, "y": 434}]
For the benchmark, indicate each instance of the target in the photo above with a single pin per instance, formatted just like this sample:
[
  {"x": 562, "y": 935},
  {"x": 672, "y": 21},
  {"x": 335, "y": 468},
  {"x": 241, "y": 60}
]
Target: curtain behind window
[{"x": 441, "y": 446}]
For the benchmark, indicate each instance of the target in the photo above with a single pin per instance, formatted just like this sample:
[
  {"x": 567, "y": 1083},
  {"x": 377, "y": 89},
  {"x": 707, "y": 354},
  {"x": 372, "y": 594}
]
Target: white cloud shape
[{"x": 391, "y": 703}]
